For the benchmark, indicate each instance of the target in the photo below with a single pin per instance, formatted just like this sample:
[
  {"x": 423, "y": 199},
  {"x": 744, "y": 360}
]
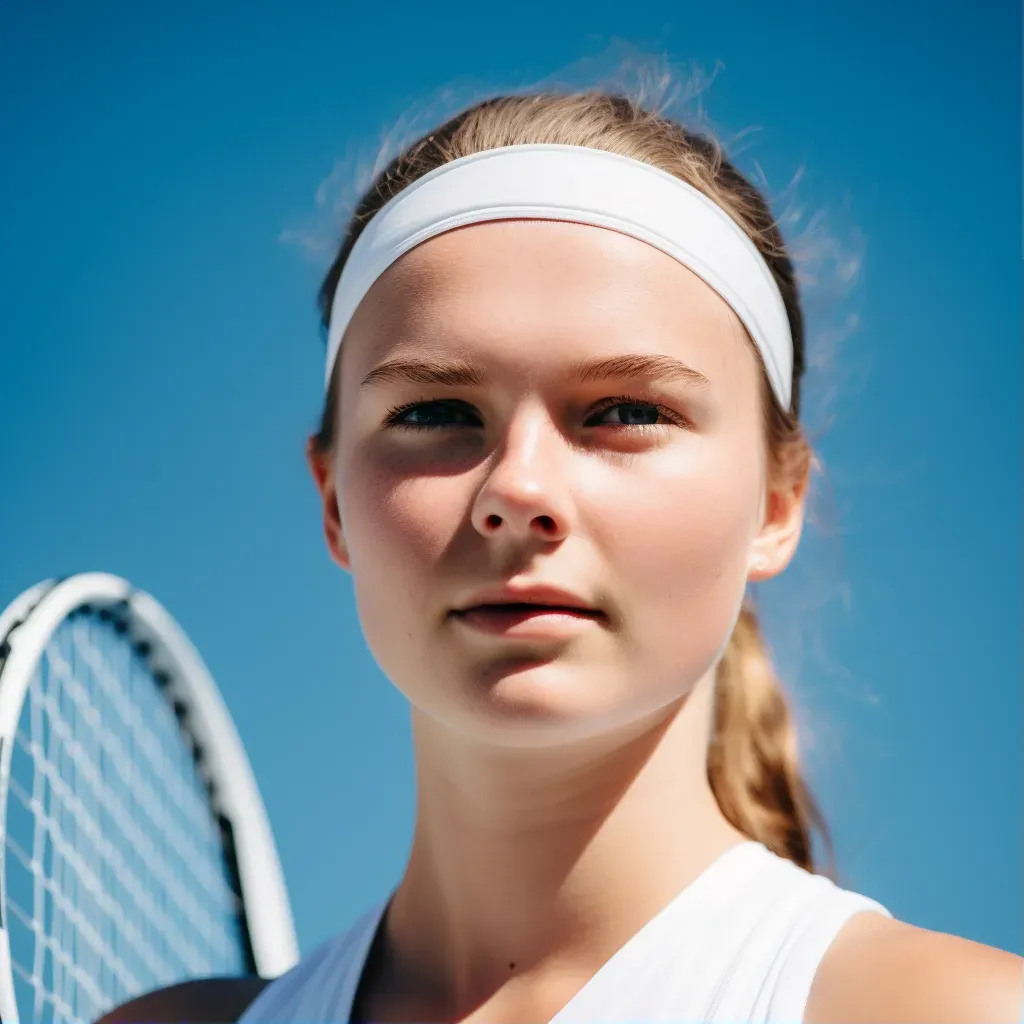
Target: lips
[
  {"x": 527, "y": 607},
  {"x": 537, "y": 598},
  {"x": 528, "y": 613}
]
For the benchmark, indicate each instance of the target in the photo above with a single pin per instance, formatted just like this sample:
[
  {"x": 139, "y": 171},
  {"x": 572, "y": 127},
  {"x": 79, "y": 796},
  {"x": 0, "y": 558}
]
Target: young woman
[{"x": 561, "y": 435}]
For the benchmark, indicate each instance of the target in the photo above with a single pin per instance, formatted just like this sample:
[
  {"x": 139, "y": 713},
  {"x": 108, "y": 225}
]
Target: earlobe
[
  {"x": 334, "y": 531},
  {"x": 772, "y": 553},
  {"x": 758, "y": 567},
  {"x": 776, "y": 542},
  {"x": 323, "y": 477}
]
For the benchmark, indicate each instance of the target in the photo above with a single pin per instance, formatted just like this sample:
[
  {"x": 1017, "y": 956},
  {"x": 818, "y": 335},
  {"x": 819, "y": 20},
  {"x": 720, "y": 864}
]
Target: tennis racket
[{"x": 136, "y": 850}]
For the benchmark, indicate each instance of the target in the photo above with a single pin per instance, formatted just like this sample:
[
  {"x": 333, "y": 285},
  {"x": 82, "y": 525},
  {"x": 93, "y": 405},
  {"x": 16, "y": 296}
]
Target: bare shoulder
[
  {"x": 882, "y": 971},
  {"x": 209, "y": 1000}
]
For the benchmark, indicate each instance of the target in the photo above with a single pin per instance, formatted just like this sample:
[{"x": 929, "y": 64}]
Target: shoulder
[
  {"x": 210, "y": 1000},
  {"x": 879, "y": 969},
  {"x": 322, "y": 985}
]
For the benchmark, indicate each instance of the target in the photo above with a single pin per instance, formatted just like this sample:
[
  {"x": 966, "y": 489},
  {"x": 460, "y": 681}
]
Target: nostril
[
  {"x": 543, "y": 524},
  {"x": 546, "y": 523}
]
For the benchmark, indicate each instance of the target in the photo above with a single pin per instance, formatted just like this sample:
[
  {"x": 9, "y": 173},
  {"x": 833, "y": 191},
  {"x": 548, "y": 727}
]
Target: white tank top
[{"x": 740, "y": 943}]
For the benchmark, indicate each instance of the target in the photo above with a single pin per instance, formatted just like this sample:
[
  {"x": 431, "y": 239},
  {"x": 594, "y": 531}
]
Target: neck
[{"x": 546, "y": 862}]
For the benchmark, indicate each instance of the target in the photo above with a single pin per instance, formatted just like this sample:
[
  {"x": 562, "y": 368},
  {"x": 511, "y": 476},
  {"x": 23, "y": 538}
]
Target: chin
[{"x": 533, "y": 702}]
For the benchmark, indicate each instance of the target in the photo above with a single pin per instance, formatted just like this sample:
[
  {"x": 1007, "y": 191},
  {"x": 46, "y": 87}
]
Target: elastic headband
[{"x": 585, "y": 186}]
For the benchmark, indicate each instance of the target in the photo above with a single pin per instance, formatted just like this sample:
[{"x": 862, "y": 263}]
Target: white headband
[{"x": 585, "y": 186}]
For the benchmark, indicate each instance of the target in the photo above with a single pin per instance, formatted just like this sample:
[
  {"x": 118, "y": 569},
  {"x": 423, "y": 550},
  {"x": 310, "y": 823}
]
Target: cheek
[
  {"x": 397, "y": 528},
  {"x": 680, "y": 545},
  {"x": 401, "y": 521}
]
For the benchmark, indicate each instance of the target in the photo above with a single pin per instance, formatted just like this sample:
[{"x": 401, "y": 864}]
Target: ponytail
[{"x": 753, "y": 766}]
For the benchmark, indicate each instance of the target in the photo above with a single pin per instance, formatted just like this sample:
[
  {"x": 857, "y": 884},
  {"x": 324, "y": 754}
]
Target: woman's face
[{"x": 539, "y": 404}]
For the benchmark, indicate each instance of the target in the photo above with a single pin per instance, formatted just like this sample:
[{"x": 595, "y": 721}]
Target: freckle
[{"x": 512, "y": 966}]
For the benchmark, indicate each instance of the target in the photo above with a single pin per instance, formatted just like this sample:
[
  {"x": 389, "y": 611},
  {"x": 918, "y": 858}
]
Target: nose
[{"x": 526, "y": 494}]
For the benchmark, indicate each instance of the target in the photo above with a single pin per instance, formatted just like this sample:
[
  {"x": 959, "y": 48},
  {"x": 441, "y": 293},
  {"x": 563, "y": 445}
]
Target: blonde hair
[{"x": 753, "y": 764}]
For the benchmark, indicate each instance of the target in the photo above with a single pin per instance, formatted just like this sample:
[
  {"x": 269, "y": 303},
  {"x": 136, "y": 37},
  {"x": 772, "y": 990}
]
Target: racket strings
[
  {"x": 194, "y": 811},
  {"x": 47, "y": 945},
  {"x": 145, "y": 803},
  {"x": 123, "y": 884},
  {"x": 87, "y": 829}
]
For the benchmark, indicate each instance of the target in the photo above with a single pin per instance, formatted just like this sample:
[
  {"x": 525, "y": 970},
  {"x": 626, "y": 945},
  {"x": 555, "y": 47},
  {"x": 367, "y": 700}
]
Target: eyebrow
[{"x": 587, "y": 371}]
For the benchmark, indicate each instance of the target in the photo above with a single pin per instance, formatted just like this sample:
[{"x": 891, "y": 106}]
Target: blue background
[{"x": 160, "y": 366}]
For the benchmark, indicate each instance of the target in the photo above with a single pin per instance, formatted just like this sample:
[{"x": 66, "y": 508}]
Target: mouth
[{"x": 527, "y": 619}]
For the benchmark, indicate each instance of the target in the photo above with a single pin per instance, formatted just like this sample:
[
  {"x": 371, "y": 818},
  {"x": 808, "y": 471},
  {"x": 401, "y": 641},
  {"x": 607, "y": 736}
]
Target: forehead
[{"x": 537, "y": 291}]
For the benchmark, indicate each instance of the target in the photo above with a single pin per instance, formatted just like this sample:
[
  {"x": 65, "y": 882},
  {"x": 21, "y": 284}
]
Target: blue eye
[
  {"x": 441, "y": 414},
  {"x": 432, "y": 415},
  {"x": 629, "y": 413}
]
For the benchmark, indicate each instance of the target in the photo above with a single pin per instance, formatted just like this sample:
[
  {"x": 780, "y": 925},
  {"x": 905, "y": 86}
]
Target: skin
[{"x": 542, "y": 757}]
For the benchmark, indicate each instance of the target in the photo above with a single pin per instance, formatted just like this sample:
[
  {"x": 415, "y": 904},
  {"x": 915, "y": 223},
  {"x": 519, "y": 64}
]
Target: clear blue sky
[{"x": 160, "y": 366}]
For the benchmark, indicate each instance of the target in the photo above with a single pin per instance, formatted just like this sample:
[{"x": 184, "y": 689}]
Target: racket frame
[{"x": 26, "y": 627}]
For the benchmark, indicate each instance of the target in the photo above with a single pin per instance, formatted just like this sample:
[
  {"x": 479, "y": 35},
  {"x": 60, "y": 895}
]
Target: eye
[
  {"x": 433, "y": 415},
  {"x": 631, "y": 412}
]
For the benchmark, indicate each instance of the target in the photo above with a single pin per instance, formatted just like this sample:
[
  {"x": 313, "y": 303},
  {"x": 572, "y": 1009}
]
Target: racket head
[{"x": 136, "y": 848}]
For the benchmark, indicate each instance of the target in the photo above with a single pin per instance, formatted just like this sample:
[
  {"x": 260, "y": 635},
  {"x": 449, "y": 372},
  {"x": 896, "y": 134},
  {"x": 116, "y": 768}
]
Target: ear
[
  {"x": 777, "y": 538},
  {"x": 322, "y": 468}
]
